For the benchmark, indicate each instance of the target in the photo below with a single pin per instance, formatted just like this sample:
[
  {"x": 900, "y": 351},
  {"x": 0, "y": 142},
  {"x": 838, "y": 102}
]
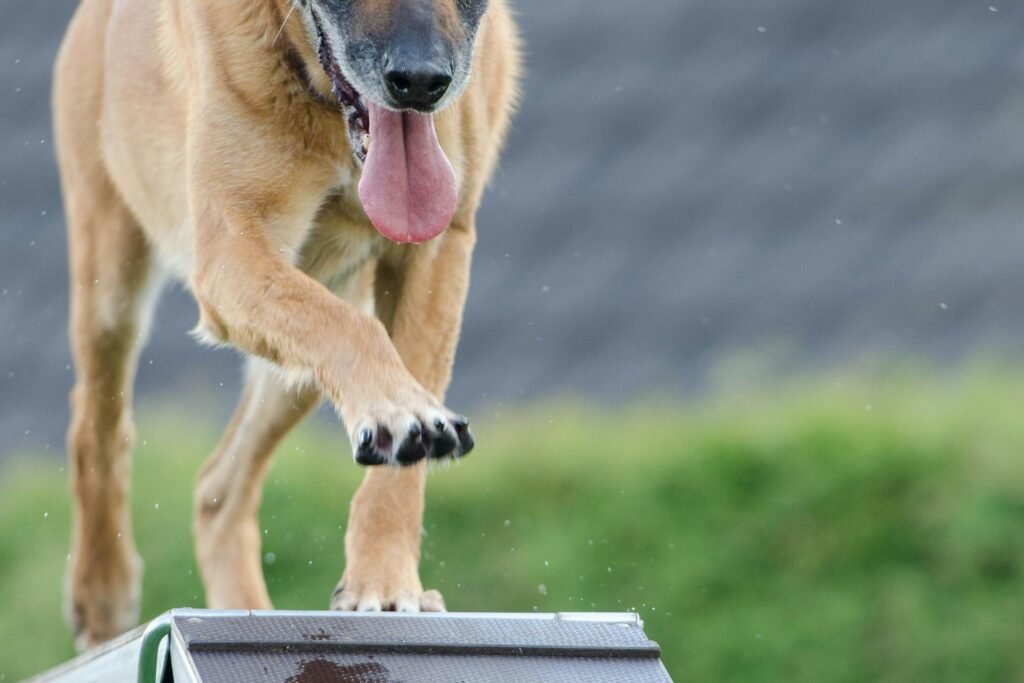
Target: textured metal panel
[
  {"x": 338, "y": 633},
  {"x": 347, "y": 648},
  {"x": 210, "y": 646},
  {"x": 280, "y": 667}
]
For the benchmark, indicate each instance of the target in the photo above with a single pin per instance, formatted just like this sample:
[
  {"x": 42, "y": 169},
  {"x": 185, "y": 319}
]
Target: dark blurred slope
[{"x": 685, "y": 181}]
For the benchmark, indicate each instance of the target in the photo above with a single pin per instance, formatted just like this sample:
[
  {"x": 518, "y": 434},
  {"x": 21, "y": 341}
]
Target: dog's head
[
  {"x": 402, "y": 54},
  {"x": 392, "y": 64}
]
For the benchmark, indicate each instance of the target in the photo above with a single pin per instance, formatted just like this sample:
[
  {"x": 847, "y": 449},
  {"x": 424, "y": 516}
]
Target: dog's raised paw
[{"x": 435, "y": 439}]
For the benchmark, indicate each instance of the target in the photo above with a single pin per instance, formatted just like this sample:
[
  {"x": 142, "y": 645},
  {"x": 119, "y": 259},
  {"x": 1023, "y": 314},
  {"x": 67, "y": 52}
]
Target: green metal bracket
[{"x": 149, "y": 651}]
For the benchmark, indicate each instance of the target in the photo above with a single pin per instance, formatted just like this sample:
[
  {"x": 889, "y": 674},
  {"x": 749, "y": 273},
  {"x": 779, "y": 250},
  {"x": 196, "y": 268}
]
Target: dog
[{"x": 311, "y": 170}]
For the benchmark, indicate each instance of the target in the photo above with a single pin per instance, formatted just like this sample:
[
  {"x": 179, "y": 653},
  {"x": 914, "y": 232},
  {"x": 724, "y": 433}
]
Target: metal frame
[
  {"x": 162, "y": 644},
  {"x": 150, "y": 648}
]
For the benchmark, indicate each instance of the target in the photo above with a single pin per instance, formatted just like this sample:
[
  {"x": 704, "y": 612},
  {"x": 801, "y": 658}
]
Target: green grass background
[{"x": 829, "y": 530}]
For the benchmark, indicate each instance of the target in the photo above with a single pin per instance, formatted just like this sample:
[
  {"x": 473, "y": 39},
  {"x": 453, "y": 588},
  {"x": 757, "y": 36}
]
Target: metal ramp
[{"x": 210, "y": 646}]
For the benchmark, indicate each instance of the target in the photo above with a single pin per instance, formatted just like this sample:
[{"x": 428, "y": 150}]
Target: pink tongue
[{"x": 408, "y": 184}]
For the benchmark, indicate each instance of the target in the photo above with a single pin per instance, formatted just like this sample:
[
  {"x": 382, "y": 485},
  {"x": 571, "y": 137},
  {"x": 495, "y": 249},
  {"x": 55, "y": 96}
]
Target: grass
[{"x": 830, "y": 530}]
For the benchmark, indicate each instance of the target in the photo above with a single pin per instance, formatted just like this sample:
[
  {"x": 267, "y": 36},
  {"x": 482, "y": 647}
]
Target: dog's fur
[{"x": 201, "y": 139}]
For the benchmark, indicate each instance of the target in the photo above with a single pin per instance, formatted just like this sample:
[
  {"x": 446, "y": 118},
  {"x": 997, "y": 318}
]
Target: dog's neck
[
  {"x": 291, "y": 38},
  {"x": 306, "y": 73},
  {"x": 265, "y": 41}
]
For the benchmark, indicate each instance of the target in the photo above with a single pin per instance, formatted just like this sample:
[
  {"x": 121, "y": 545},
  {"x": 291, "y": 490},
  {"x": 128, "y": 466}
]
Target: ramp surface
[{"x": 310, "y": 647}]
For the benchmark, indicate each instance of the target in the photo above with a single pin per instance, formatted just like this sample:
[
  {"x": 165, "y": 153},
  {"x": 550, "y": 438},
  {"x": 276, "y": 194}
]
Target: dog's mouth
[
  {"x": 356, "y": 115},
  {"x": 408, "y": 186}
]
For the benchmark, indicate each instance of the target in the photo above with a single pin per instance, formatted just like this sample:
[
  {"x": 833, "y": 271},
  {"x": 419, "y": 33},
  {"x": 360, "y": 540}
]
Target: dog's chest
[{"x": 341, "y": 241}]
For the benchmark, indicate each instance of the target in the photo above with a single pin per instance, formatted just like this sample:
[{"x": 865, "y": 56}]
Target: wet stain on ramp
[{"x": 326, "y": 671}]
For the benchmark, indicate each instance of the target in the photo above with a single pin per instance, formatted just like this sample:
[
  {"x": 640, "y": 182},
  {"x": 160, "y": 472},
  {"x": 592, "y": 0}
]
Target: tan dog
[{"x": 283, "y": 159}]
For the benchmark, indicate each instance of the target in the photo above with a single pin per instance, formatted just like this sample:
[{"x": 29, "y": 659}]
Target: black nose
[{"x": 417, "y": 87}]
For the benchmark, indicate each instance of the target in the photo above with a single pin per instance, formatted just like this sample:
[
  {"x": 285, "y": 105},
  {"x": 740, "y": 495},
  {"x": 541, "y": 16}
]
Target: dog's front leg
[
  {"x": 251, "y": 297},
  {"x": 421, "y": 302}
]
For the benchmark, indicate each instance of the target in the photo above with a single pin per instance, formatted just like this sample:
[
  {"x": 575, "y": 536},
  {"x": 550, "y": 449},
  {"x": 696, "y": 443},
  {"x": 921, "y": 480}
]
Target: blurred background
[{"x": 752, "y": 275}]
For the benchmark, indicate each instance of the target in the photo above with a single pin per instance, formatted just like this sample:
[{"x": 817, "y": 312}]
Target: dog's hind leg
[
  {"x": 228, "y": 489},
  {"x": 113, "y": 283}
]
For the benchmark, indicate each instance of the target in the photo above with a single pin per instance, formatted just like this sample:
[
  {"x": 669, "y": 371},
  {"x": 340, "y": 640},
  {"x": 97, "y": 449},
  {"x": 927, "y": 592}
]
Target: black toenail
[
  {"x": 365, "y": 437},
  {"x": 439, "y": 424},
  {"x": 415, "y": 430},
  {"x": 466, "y": 442},
  {"x": 411, "y": 452},
  {"x": 444, "y": 445},
  {"x": 460, "y": 423},
  {"x": 369, "y": 457}
]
